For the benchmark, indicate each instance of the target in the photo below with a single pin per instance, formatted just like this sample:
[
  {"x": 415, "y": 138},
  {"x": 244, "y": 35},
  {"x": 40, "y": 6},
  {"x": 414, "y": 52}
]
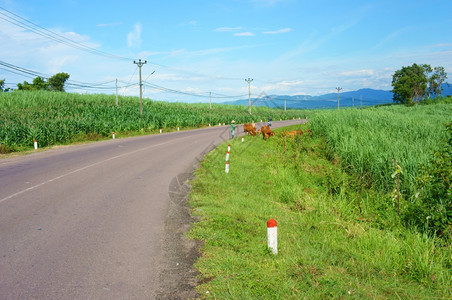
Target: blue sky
[{"x": 287, "y": 47}]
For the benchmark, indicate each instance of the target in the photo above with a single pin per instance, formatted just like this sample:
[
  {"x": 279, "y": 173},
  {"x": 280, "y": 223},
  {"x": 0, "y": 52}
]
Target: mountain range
[{"x": 362, "y": 97}]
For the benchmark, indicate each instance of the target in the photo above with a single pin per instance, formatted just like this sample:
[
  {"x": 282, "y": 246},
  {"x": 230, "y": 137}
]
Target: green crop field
[
  {"x": 54, "y": 118},
  {"x": 369, "y": 140}
]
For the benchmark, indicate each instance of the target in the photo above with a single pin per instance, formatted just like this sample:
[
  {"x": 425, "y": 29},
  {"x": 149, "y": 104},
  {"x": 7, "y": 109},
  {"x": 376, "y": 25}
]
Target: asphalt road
[{"x": 97, "y": 221}]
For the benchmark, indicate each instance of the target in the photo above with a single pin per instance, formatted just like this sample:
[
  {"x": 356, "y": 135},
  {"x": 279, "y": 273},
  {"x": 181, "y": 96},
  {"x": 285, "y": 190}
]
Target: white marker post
[
  {"x": 227, "y": 167},
  {"x": 243, "y": 139},
  {"x": 272, "y": 236},
  {"x": 210, "y": 125},
  {"x": 160, "y": 130},
  {"x": 227, "y": 156},
  {"x": 35, "y": 144},
  {"x": 113, "y": 135},
  {"x": 229, "y": 148},
  {"x": 177, "y": 128}
]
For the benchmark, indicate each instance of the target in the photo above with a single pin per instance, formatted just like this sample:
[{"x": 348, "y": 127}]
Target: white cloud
[
  {"x": 134, "y": 37},
  {"x": 109, "y": 24},
  {"x": 247, "y": 33},
  {"x": 284, "y": 30},
  {"x": 267, "y": 2},
  {"x": 358, "y": 73},
  {"x": 392, "y": 36},
  {"x": 227, "y": 29}
]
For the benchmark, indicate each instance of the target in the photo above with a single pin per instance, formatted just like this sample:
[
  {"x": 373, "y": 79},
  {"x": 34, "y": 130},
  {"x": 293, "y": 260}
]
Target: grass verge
[{"x": 332, "y": 241}]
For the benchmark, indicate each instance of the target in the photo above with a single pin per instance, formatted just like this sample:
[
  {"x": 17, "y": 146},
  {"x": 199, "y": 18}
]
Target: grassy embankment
[
  {"x": 54, "y": 118},
  {"x": 339, "y": 233}
]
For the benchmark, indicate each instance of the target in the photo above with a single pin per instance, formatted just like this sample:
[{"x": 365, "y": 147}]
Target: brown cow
[
  {"x": 250, "y": 128},
  {"x": 267, "y": 132},
  {"x": 292, "y": 133}
]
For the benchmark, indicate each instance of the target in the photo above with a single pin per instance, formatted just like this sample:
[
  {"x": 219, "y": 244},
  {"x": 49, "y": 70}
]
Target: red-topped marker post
[{"x": 272, "y": 236}]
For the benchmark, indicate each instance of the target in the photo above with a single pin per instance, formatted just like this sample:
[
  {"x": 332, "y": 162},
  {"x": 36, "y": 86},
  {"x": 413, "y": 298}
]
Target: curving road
[{"x": 98, "y": 221}]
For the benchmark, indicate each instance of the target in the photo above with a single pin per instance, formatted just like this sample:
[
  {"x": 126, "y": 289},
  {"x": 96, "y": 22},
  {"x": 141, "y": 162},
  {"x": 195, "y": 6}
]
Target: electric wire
[{"x": 41, "y": 31}]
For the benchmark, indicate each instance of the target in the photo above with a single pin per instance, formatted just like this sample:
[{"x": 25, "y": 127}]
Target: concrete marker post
[
  {"x": 178, "y": 128},
  {"x": 229, "y": 148},
  {"x": 227, "y": 167},
  {"x": 272, "y": 236},
  {"x": 243, "y": 139},
  {"x": 113, "y": 135},
  {"x": 35, "y": 144},
  {"x": 160, "y": 130},
  {"x": 227, "y": 156}
]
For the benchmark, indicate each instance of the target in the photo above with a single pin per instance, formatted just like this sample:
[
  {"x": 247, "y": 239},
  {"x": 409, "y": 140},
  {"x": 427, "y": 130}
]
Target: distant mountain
[
  {"x": 447, "y": 90},
  {"x": 362, "y": 97}
]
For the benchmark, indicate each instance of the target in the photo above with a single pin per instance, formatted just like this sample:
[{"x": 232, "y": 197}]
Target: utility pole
[
  {"x": 338, "y": 89},
  {"x": 361, "y": 100},
  {"x": 140, "y": 64},
  {"x": 117, "y": 104},
  {"x": 210, "y": 99},
  {"x": 284, "y": 104},
  {"x": 249, "y": 93}
]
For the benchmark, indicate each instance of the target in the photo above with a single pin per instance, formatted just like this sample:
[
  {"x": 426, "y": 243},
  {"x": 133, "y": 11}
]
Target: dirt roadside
[{"x": 178, "y": 277}]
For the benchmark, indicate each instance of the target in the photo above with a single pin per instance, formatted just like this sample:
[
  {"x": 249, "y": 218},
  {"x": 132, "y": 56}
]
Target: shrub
[{"x": 431, "y": 209}]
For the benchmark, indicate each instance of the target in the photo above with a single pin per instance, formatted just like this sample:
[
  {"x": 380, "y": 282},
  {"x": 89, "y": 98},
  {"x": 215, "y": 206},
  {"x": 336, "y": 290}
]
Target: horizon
[{"x": 208, "y": 48}]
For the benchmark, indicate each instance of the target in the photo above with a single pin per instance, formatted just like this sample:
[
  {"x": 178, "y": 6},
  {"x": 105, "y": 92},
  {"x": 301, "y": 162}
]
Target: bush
[{"x": 431, "y": 209}]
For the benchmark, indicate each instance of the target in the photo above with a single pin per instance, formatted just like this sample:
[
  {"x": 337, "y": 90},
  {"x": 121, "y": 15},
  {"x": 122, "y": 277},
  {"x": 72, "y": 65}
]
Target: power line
[
  {"x": 249, "y": 93},
  {"x": 41, "y": 31}
]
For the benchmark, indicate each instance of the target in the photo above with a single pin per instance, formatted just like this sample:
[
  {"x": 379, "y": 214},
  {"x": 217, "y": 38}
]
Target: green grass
[
  {"x": 369, "y": 140},
  {"x": 54, "y": 118},
  {"x": 337, "y": 237}
]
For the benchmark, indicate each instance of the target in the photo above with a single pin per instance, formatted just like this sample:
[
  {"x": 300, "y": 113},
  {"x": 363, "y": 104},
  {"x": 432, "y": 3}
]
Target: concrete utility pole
[
  {"x": 117, "y": 104},
  {"x": 140, "y": 64},
  {"x": 338, "y": 89},
  {"x": 210, "y": 99},
  {"x": 249, "y": 93},
  {"x": 284, "y": 104}
]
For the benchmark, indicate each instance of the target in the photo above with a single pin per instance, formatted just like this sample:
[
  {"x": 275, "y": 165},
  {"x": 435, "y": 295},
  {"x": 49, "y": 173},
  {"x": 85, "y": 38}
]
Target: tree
[
  {"x": 57, "y": 81},
  {"x": 2, "y": 84},
  {"x": 436, "y": 80},
  {"x": 39, "y": 83},
  {"x": 54, "y": 83},
  {"x": 410, "y": 84}
]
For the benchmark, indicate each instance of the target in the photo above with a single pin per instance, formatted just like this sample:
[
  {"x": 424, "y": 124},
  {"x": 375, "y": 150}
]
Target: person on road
[
  {"x": 233, "y": 128},
  {"x": 269, "y": 121}
]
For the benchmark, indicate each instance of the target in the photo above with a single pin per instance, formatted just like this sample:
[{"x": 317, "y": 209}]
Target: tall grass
[
  {"x": 330, "y": 243},
  {"x": 369, "y": 140},
  {"x": 59, "y": 118}
]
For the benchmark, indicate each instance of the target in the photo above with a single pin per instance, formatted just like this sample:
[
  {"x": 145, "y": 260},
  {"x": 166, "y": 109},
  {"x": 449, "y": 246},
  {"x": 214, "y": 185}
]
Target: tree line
[{"x": 54, "y": 83}]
